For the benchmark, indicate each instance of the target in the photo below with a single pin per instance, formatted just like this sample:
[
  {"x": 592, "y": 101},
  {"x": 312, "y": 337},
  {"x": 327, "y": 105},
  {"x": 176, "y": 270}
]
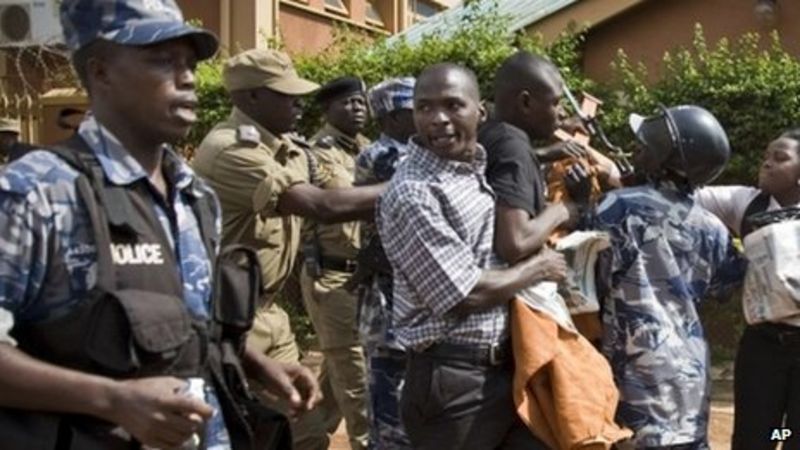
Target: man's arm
[
  {"x": 497, "y": 287},
  {"x": 151, "y": 409},
  {"x": 292, "y": 382},
  {"x": 425, "y": 249},
  {"x": 330, "y": 205},
  {"x": 518, "y": 236}
]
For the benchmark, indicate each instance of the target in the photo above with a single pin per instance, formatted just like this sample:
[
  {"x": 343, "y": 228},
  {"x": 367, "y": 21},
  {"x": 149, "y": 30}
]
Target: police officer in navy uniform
[{"x": 107, "y": 270}]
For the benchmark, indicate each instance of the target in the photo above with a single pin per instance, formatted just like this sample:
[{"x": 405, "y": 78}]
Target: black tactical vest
[
  {"x": 758, "y": 204},
  {"x": 135, "y": 323}
]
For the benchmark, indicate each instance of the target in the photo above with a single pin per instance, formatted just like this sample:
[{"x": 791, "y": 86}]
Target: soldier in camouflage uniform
[
  {"x": 261, "y": 173},
  {"x": 392, "y": 105},
  {"x": 331, "y": 252},
  {"x": 667, "y": 255}
]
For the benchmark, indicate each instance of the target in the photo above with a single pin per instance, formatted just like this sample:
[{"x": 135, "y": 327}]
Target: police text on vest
[{"x": 137, "y": 254}]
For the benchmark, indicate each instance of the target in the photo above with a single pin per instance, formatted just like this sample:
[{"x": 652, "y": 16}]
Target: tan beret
[
  {"x": 10, "y": 125},
  {"x": 271, "y": 69}
]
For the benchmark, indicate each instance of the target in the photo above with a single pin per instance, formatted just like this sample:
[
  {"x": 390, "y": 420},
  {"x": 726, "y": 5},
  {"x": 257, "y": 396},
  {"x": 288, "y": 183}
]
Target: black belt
[
  {"x": 783, "y": 333},
  {"x": 482, "y": 355},
  {"x": 339, "y": 264}
]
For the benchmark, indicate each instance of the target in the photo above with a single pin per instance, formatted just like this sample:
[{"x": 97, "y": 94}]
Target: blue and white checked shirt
[
  {"x": 436, "y": 222},
  {"x": 48, "y": 262},
  {"x": 668, "y": 255}
]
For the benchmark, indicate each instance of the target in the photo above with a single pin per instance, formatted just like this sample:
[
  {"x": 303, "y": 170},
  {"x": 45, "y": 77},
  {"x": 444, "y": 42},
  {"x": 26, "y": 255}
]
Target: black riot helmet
[{"x": 686, "y": 140}]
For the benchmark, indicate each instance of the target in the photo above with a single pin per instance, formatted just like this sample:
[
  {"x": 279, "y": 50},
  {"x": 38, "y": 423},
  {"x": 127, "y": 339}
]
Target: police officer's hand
[
  {"x": 578, "y": 185},
  {"x": 561, "y": 150},
  {"x": 305, "y": 384},
  {"x": 293, "y": 383},
  {"x": 156, "y": 413}
]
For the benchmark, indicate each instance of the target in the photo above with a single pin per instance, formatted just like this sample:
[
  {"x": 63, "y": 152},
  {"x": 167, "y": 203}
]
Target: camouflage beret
[{"x": 391, "y": 95}]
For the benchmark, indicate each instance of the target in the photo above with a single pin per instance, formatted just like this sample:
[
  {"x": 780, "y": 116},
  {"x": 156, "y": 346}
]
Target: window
[
  {"x": 421, "y": 9},
  {"x": 374, "y": 16},
  {"x": 336, "y": 6}
]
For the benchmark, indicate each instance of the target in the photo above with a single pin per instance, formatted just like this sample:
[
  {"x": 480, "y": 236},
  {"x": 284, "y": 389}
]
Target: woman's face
[{"x": 780, "y": 170}]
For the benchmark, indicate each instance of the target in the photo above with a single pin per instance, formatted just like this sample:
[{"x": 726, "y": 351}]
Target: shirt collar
[
  {"x": 349, "y": 144},
  {"x": 121, "y": 169},
  {"x": 427, "y": 158}
]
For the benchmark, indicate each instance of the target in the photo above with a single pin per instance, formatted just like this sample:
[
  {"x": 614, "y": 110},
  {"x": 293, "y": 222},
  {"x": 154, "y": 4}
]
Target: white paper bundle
[
  {"x": 579, "y": 294},
  {"x": 772, "y": 283}
]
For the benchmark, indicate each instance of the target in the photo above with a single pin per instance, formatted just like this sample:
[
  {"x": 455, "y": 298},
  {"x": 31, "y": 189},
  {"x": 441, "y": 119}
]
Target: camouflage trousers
[{"x": 385, "y": 374}]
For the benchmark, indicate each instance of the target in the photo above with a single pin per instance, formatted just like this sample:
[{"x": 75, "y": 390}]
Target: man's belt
[
  {"x": 785, "y": 334},
  {"x": 339, "y": 264},
  {"x": 482, "y": 355}
]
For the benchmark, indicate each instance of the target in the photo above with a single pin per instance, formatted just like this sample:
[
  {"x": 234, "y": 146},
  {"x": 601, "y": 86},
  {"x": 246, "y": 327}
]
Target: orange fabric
[
  {"x": 589, "y": 326},
  {"x": 563, "y": 387},
  {"x": 557, "y": 190},
  {"x": 557, "y": 171}
]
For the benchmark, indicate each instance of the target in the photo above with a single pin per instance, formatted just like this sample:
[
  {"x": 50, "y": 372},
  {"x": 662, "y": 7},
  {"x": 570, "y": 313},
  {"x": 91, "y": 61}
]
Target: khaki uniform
[
  {"x": 250, "y": 168},
  {"x": 333, "y": 309},
  {"x": 8, "y": 125}
]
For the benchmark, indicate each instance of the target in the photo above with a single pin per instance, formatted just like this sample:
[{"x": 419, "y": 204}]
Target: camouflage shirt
[
  {"x": 49, "y": 259},
  {"x": 668, "y": 254},
  {"x": 376, "y": 164}
]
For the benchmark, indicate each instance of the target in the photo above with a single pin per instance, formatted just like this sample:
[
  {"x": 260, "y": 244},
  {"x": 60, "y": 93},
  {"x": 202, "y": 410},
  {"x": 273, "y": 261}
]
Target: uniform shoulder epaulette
[
  {"x": 325, "y": 142},
  {"x": 298, "y": 140},
  {"x": 248, "y": 134}
]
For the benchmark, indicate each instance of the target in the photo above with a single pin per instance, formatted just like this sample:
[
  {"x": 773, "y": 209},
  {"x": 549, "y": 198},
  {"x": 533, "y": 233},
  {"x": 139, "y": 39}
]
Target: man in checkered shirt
[{"x": 436, "y": 221}]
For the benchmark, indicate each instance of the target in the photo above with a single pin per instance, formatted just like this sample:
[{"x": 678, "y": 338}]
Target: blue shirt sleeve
[
  {"x": 48, "y": 256},
  {"x": 25, "y": 233}
]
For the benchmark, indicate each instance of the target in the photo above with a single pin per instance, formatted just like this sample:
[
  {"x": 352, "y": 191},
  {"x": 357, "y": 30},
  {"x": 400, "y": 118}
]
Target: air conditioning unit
[{"x": 32, "y": 22}]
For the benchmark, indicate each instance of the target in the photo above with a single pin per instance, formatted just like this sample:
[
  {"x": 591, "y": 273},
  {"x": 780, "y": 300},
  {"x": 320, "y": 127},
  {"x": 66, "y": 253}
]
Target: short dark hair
[
  {"x": 523, "y": 70},
  {"x": 438, "y": 68},
  {"x": 99, "y": 48}
]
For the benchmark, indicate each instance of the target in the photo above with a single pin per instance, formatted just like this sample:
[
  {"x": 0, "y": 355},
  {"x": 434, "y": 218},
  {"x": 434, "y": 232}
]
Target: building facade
[{"x": 34, "y": 69}]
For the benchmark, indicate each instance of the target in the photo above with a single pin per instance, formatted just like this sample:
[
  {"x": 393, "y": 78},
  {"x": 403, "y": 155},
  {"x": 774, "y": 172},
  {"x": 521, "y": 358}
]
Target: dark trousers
[
  {"x": 449, "y": 404},
  {"x": 767, "y": 387}
]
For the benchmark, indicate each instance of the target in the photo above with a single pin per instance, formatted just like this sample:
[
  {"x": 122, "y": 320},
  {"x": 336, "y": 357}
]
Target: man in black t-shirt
[{"x": 527, "y": 96}]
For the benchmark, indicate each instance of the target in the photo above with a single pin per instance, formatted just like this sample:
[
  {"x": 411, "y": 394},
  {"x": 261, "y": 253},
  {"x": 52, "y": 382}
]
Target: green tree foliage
[
  {"x": 752, "y": 86},
  {"x": 214, "y": 105},
  {"x": 479, "y": 40}
]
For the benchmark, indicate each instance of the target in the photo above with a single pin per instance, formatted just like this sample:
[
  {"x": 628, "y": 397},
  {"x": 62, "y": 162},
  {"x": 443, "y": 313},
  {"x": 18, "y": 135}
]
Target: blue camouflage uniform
[
  {"x": 385, "y": 356},
  {"x": 668, "y": 254},
  {"x": 49, "y": 264}
]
